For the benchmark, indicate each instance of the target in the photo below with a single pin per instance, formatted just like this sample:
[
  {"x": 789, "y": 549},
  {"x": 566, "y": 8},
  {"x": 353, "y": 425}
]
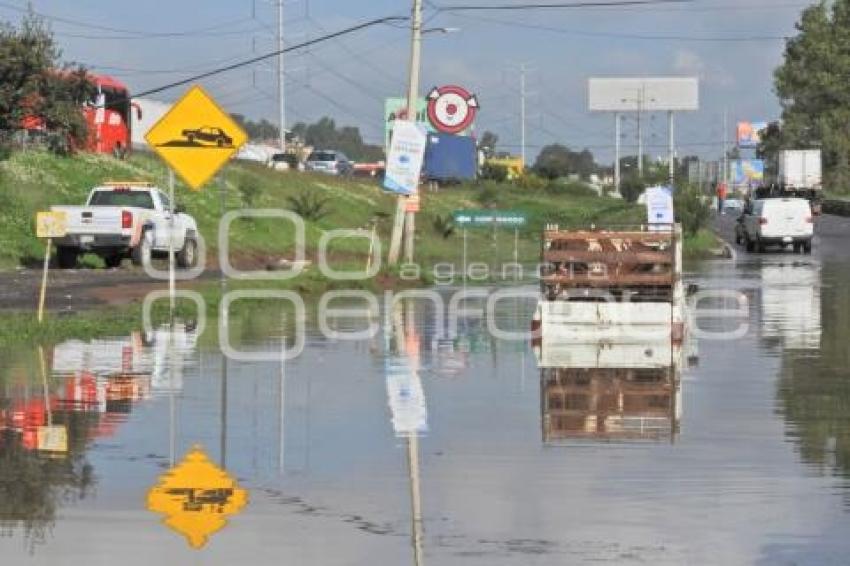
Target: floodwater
[{"x": 429, "y": 444}]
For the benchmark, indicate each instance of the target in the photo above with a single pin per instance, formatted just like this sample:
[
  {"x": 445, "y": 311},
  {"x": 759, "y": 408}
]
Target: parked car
[
  {"x": 776, "y": 222},
  {"x": 126, "y": 219},
  {"x": 330, "y": 162},
  {"x": 733, "y": 206},
  {"x": 283, "y": 162}
]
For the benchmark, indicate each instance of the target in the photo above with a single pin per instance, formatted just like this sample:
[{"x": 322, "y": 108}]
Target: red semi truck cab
[{"x": 108, "y": 117}]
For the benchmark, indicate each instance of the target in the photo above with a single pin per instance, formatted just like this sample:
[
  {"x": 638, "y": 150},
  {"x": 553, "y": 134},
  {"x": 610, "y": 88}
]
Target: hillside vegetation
[{"x": 34, "y": 180}]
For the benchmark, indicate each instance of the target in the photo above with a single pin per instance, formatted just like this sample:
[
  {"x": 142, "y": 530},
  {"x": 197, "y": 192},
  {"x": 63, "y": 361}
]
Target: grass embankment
[{"x": 32, "y": 181}]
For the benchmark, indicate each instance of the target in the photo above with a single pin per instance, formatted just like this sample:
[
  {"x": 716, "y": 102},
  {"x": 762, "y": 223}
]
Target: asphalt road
[
  {"x": 78, "y": 289},
  {"x": 832, "y": 235}
]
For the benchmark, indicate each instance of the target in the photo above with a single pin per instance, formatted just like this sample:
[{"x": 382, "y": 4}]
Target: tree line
[{"x": 811, "y": 84}]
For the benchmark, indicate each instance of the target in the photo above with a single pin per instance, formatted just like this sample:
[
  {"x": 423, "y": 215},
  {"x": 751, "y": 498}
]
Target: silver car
[{"x": 330, "y": 162}]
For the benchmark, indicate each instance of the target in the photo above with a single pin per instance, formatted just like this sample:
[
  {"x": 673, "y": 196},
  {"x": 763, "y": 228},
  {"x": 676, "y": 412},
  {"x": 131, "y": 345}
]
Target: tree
[
  {"x": 488, "y": 143},
  {"x": 262, "y": 130},
  {"x": 556, "y": 160},
  {"x": 325, "y": 135},
  {"x": 36, "y": 86},
  {"x": 691, "y": 209},
  {"x": 631, "y": 187},
  {"x": 812, "y": 87}
]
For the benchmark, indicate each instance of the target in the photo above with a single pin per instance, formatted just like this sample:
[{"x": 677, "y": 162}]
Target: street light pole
[{"x": 522, "y": 111}]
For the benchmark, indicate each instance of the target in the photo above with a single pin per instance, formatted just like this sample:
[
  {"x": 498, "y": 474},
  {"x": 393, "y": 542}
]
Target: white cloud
[{"x": 688, "y": 62}]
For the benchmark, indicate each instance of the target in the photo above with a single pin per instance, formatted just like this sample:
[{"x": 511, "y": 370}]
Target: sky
[{"x": 733, "y": 46}]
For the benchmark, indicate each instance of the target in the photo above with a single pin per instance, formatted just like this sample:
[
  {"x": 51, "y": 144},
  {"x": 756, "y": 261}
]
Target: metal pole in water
[
  {"x": 415, "y": 497},
  {"x": 516, "y": 248},
  {"x": 172, "y": 285},
  {"x": 464, "y": 256}
]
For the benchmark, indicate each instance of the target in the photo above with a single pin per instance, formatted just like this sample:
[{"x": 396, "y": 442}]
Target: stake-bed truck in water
[{"x": 126, "y": 219}]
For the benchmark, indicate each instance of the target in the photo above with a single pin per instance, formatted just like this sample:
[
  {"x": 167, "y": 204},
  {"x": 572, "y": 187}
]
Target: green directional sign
[{"x": 489, "y": 218}]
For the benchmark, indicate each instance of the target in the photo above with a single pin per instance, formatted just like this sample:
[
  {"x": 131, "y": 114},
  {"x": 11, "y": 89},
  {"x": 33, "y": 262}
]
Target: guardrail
[{"x": 836, "y": 207}]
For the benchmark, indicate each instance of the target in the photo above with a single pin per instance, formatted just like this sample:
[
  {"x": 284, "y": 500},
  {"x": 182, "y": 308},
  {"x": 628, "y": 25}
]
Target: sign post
[
  {"x": 48, "y": 225},
  {"x": 195, "y": 138},
  {"x": 404, "y": 165}
]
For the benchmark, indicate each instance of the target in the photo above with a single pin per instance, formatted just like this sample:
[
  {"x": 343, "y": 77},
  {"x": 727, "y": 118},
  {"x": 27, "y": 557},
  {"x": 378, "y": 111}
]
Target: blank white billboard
[{"x": 647, "y": 94}]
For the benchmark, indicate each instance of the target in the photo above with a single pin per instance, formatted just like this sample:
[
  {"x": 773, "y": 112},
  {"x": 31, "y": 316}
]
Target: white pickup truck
[{"x": 126, "y": 219}]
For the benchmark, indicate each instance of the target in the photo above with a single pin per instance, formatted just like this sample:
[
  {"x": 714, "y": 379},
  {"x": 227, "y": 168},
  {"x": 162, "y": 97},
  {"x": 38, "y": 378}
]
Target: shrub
[
  {"x": 531, "y": 182},
  {"x": 249, "y": 188},
  {"x": 488, "y": 195},
  {"x": 309, "y": 206},
  {"x": 631, "y": 188},
  {"x": 443, "y": 225},
  {"x": 494, "y": 172},
  {"x": 691, "y": 209}
]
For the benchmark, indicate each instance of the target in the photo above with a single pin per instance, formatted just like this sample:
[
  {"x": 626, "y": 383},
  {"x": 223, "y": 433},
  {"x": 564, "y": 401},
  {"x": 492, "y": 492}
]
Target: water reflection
[
  {"x": 196, "y": 497},
  {"x": 608, "y": 390},
  {"x": 60, "y": 400},
  {"x": 814, "y": 381},
  {"x": 791, "y": 304},
  {"x": 407, "y": 403}
]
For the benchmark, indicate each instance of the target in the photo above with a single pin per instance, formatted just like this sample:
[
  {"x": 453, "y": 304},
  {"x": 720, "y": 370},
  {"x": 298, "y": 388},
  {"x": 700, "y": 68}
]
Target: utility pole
[
  {"x": 280, "y": 79},
  {"x": 405, "y": 221},
  {"x": 522, "y": 111},
  {"x": 640, "y": 95},
  {"x": 724, "y": 176},
  {"x": 617, "y": 152},
  {"x": 672, "y": 148}
]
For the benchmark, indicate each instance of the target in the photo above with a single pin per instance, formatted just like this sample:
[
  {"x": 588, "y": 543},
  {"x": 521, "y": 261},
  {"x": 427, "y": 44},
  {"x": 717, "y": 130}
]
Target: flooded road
[{"x": 430, "y": 444}]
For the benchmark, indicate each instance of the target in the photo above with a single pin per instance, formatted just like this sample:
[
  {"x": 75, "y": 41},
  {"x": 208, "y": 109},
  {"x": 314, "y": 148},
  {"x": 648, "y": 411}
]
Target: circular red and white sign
[{"x": 451, "y": 109}]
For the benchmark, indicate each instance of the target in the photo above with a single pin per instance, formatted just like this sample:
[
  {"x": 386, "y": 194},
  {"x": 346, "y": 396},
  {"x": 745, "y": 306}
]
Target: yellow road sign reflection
[
  {"x": 196, "y": 137},
  {"x": 196, "y": 497}
]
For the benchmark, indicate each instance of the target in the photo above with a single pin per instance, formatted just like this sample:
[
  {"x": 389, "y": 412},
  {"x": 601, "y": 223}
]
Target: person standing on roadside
[{"x": 721, "y": 196}]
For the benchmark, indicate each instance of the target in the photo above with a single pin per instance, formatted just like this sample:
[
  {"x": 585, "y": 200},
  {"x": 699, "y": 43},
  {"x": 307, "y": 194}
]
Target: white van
[{"x": 777, "y": 221}]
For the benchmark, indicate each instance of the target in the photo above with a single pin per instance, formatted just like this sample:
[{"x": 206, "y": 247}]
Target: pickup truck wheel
[
  {"x": 66, "y": 257},
  {"x": 187, "y": 257},
  {"x": 113, "y": 261},
  {"x": 142, "y": 252}
]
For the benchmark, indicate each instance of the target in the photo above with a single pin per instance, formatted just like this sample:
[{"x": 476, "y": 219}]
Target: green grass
[
  {"x": 32, "y": 181},
  {"x": 701, "y": 245}
]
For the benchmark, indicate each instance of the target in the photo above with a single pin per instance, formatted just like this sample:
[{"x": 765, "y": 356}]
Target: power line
[
  {"x": 245, "y": 63},
  {"x": 586, "y": 33},
  {"x": 554, "y": 5},
  {"x": 127, "y": 33}
]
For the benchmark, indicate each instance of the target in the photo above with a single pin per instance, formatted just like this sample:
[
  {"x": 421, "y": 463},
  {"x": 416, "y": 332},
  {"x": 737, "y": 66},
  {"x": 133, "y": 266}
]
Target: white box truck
[{"x": 800, "y": 169}]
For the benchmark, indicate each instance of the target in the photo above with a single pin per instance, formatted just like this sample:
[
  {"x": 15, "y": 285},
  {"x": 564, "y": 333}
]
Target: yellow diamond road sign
[{"x": 196, "y": 137}]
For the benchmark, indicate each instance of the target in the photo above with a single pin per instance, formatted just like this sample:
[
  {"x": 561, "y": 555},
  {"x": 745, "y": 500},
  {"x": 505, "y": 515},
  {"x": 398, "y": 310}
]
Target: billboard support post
[
  {"x": 654, "y": 94},
  {"x": 617, "y": 152},
  {"x": 640, "y": 101}
]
